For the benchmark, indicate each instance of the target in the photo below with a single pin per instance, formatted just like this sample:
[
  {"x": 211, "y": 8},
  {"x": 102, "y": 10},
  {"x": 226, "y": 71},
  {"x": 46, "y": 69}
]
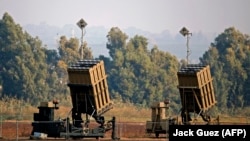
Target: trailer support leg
[{"x": 114, "y": 136}]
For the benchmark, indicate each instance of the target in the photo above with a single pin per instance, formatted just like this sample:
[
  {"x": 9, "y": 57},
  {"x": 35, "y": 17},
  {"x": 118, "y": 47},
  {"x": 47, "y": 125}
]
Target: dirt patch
[{"x": 13, "y": 129}]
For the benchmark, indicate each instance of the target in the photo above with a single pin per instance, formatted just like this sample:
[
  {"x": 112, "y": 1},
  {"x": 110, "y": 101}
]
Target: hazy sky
[{"x": 150, "y": 15}]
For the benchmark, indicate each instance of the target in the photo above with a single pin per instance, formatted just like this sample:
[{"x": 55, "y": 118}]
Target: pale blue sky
[{"x": 151, "y": 15}]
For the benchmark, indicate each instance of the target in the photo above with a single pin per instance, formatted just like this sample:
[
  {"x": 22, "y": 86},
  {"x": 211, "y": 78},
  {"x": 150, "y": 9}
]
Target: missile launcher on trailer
[
  {"x": 89, "y": 89},
  {"x": 196, "y": 91},
  {"x": 90, "y": 98},
  {"x": 196, "y": 94}
]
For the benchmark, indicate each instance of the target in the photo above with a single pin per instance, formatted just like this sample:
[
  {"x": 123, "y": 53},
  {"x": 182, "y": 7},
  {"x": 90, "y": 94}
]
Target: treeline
[
  {"x": 229, "y": 58},
  {"x": 31, "y": 72},
  {"x": 136, "y": 74}
]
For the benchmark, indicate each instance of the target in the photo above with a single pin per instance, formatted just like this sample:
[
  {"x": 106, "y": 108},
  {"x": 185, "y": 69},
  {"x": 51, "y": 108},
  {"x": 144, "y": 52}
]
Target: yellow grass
[
  {"x": 124, "y": 112},
  {"x": 12, "y": 109},
  {"x": 127, "y": 112}
]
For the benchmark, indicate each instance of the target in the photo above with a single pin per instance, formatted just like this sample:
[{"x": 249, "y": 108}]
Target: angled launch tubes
[
  {"x": 89, "y": 90},
  {"x": 196, "y": 91}
]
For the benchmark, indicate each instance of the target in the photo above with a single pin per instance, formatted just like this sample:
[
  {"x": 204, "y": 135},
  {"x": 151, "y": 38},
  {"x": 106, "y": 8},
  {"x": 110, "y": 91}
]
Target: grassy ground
[
  {"x": 12, "y": 109},
  {"x": 124, "y": 112},
  {"x": 131, "y": 119}
]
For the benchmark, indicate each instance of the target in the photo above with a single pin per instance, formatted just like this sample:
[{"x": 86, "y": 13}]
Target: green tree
[
  {"x": 116, "y": 41},
  {"x": 53, "y": 81},
  {"x": 30, "y": 71},
  {"x": 137, "y": 74},
  {"x": 69, "y": 50},
  {"x": 229, "y": 63},
  {"x": 23, "y": 62}
]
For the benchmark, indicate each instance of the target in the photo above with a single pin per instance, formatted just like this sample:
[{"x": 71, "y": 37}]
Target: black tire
[{"x": 157, "y": 134}]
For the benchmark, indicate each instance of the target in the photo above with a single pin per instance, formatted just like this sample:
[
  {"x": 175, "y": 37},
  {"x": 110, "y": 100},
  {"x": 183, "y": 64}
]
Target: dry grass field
[
  {"x": 11, "y": 109},
  {"x": 16, "y": 118}
]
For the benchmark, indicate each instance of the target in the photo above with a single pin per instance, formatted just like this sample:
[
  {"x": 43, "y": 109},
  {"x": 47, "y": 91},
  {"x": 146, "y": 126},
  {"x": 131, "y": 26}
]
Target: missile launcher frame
[{"x": 90, "y": 97}]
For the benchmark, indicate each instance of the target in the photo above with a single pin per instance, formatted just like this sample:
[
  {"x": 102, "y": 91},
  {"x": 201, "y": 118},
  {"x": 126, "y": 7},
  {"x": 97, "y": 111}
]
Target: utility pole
[
  {"x": 184, "y": 31},
  {"x": 82, "y": 24}
]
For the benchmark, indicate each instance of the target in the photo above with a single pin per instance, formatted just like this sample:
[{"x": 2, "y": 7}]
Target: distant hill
[{"x": 95, "y": 36}]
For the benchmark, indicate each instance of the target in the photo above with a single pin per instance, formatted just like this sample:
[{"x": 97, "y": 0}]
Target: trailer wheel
[{"x": 156, "y": 134}]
